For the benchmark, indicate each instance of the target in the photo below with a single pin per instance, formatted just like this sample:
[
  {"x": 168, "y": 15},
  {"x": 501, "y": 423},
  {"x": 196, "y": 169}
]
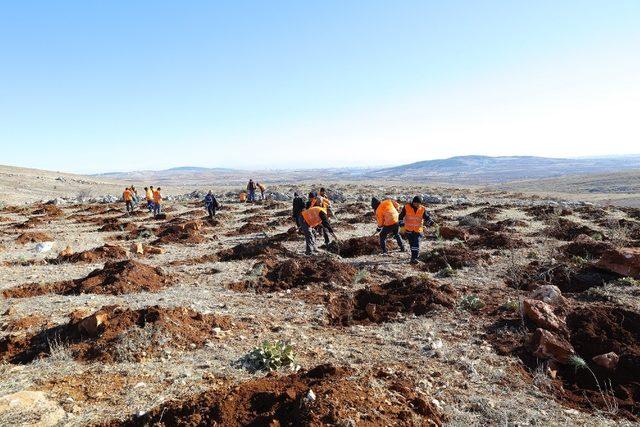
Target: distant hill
[{"x": 488, "y": 170}]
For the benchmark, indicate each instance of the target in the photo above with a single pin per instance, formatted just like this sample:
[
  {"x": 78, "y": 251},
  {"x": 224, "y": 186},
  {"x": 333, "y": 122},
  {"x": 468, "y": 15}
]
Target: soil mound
[
  {"x": 568, "y": 278},
  {"x": 497, "y": 240},
  {"x": 34, "y": 222},
  {"x": 383, "y": 303},
  {"x": 188, "y": 232},
  {"x": 50, "y": 211},
  {"x": 359, "y": 246},
  {"x": 33, "y": 237},
  {"x": 114, "y": 225},
  {"x": 268, "y": 246},
  {"x": 564, "y": 229},
  {"x": 454, "y": 256},
  {"x": 487, "y": 214},
  {"x": 115, "y": 278},
  {"x": 296, "y": 272},
  {"x": 116, "y": 334},
  {"x": 284, "y": 401},
  {"x": 250, "y": 228},
  {"x": 94, "y": 255},
  {"x": 586, "y": 247},
  {"x": 546, "y": 212}
]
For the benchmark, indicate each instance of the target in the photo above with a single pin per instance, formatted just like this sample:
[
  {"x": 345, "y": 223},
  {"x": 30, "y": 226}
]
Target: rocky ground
[{"x": 522, "y": 311}]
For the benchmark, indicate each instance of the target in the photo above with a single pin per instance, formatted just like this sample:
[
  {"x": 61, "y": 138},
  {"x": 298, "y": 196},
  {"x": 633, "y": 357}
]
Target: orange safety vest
[
  {"x": 387, "y": 213},
  {"x": 413, "y": 220},
  {"x": 312, "y": 216},
  {"x": 321, "y": 201},
  {"x": 157, "y": 197},
  {"x": 127, "y": 196},
  {"x": 149, "y": 195}
]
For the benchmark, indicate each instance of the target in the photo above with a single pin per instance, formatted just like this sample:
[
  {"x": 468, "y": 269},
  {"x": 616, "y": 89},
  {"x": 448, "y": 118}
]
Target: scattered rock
[
  {"x": 542, "y": 315},
  {"x": 30, "y": 408},
  {"x": 608, "y": 361},
  {"x": 625, "y": 262},
  {"x": 549, "y": 294},
  {"x": 547, "y": 345}
]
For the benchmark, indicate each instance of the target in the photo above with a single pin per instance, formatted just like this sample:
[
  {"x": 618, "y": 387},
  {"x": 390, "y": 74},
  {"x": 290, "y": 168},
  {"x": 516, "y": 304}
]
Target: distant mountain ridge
[{"x": 473, "y": 169}]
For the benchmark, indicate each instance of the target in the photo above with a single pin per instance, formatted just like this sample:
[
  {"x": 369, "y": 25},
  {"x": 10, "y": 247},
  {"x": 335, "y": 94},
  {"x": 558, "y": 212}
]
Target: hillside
[{"x": 484, "y": 169}]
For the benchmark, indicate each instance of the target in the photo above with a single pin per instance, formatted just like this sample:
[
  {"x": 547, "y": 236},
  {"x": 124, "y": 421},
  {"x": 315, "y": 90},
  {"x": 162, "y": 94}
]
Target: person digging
[
  {"x": 387, "y": 218},
  {"x": 412, "y": 221},
  {"x": 312, "y": 218}
]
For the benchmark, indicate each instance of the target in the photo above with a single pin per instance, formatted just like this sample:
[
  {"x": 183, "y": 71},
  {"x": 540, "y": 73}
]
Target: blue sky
[{"x": 88, "y": 86}]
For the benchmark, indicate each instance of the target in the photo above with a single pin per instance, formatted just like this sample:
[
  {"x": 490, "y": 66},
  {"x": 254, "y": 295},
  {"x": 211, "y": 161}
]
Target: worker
[
  {"x": 388, "y": 223},
  {"x": 311, "y": 201},
  {"x": 157, "y": 202},
  {"x": 262, "y": 189},
  {"x": 312, "y": 218},
  {"x": 211, "y": 204},
  {"x": 127, "y": 196},
  {"x": 243, "y": 196},
  {"x": 412, "y": 219},
  {"x": 326, "y": 202},
  {"x": 251, "y": 189},
  {"x": 298, "y": 207},
  {"x": 134, "y": 194},
  {"x": 316, "y": 201},
  {"x": 148, "y": 195}
]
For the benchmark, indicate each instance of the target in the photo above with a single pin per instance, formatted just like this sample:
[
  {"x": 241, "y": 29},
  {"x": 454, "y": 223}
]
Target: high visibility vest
[
  {"x": 387, "y": 213},
  {"x": 312, "y": 216},
  {"x": 127, "y": 196},
  {"x": 157, "y": 197},
  {"x": 321, "y": 201},
  {"x": 413, "y": 220},
  {"x": 149, "y": 195}
]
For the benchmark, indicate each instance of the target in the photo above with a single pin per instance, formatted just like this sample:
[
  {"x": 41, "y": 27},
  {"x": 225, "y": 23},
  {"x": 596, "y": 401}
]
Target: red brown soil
[
  {"x": 268, "y": 246},
  {"x": 567, "y": 277},
  {"x": 281, "y": 401},
  {"x": 111, "y": 224},
  {"x": 593, "y": 330},
  {"x": 50, "y": 211},
  {"x": 487, "y": 214},
  {"x": 546, "y": 212},
  {"x": 297, "y": 272},
  {"x": 106, "y": 252},
  {"x": 363, "y": 218},
  {"x": 33, "y": 237},
  {"x": 564, "y": 229},
  {"x": 366, "y": 245},
  {"x": 34, "y": 222},
  {"x": 493, "y": 240},
  {"x": 175, "y": 327},
  {"x": 250, "y": 228},
  {"x": 383, "y": 303},
  {"x": 29, "y": 322},
  {"x": 116, "y": 278},
  {"x": 586, "y": 247},
  {"x": 354, "y": 209},
  {"x": 454, "y": 256},
  {"x": 185, "y": 233}
]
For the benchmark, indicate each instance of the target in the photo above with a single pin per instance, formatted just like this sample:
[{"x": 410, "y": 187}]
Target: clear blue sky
[{"x": 91, "y": 86}]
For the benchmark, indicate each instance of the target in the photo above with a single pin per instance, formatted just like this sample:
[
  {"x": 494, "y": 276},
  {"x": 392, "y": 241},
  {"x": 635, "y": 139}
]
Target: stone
[
  {"x": 608, "y": 361},
  {"x": 542, "y": 315},
  {"x": 66, "y": 252},
  {"x": 547, "y": 345},
  {"x": 90, "y": 325},
  {"x": 137, "y": 248},
  {"x": 623, "y": 261},
  {"x": 30, "y": 408},
  {"x": 153, "y": 250},
  {"x": 549, "y": 294}
]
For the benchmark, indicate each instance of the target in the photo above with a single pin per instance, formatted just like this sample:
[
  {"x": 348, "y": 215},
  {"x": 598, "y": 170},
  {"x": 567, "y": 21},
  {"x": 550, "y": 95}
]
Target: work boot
[{"x": 413, "y": 261}]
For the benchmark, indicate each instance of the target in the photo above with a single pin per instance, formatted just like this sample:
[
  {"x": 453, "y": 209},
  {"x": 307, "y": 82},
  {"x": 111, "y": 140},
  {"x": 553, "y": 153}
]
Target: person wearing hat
[
  {"x": 412, "y": 220},
  {"x": 387, "y": 220}
]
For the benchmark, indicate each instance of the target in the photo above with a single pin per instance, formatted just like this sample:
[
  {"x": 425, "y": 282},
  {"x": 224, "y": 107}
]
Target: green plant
[
  {"x": 579, "y": 260},
  {"x": 271, "y": 356},
  {"x": 577, "y": 362},
  {"x": 471, "y": 303},
  {"x": 448, "y": 271},
  {"x": 629, "y": 281},
  {"x": 511, "y": 305},
  {"x": 597, "y": 236},
  {"x": 360, "y": 276}
]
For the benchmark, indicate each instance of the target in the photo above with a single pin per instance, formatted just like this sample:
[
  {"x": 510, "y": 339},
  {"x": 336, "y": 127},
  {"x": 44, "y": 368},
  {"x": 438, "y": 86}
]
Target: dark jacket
[
  {"x": 298, "y": 207},
  {"x": 210, "y": 200}
]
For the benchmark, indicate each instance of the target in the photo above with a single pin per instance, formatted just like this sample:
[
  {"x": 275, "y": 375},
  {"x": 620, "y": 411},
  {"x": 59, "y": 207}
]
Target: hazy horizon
[{"x": 121, "y": 86}]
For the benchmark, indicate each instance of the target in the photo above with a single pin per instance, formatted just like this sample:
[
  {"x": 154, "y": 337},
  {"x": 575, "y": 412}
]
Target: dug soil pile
[
  {"x": 566, "y": 276},
  {"x": 296, "y": 272},
  {"x": 383, "y": 303},
  {"x": 115, "y": 334},
  {"x": 33, "y": 237},
  {"x": 188, "y": 232},
  {"x": 115, "y": 278},
  {"x": 497, "y": 240},
  {"x": 593, "y": 361},
  {"x": 325, "y": 395},
  {"x": 250, "y": 228},
  {"x": 106, "y": 252},
  {"x": 565, "y": 229},
  {"x": 268, "y": 246},
  {"x": 455, "y": 256},
  {"x": 367, "y": 245},
  {"x": 50, "y": 211}
]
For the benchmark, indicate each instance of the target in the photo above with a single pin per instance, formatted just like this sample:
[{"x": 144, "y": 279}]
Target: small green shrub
[
  {"x": 271, "y": 356},
  {"x": 629, "y": 281},
  {"x": 448, "y": 271},
  {"x": 471, "y": 303},
  {"x": 577, "y": 362},
  {"x": 511, "y": 305}
]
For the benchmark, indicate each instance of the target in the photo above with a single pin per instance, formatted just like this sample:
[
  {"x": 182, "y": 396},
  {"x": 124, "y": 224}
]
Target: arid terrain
[{"x": 522, "y": 311}]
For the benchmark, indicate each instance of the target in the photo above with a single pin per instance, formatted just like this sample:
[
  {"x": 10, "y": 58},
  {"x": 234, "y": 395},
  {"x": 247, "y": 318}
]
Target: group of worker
[
  {"x": 153, "y": 199},
  {"x": 250, "y": 195},
  {"x": 313, "y": 216}
]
